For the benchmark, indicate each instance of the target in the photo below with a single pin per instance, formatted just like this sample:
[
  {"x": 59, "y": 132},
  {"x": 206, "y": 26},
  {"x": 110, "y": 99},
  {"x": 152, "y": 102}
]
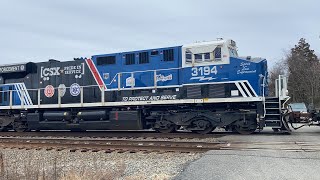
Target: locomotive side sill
[{"x": 134, "y": 103}]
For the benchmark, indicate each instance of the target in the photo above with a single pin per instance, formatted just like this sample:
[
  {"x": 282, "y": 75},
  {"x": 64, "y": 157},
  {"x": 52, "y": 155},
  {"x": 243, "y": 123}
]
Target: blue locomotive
[{"x": 195, "y": 87}]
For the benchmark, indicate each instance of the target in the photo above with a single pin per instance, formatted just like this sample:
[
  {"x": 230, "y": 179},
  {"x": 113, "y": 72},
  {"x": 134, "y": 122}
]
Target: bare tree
[{"x": 279, "y": 68}]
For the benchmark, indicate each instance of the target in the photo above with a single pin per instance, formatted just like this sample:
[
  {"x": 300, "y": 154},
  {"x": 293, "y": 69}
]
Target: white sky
[{"x": 36, "y": 30}]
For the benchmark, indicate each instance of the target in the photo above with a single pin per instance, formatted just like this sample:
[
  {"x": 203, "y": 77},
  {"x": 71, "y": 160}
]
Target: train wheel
[
  {"x": 205, "y": 126},
  {"x": 20, "y": 127},
  {"x": 3, "y": 129},
  {"x": 165, "y": 126},
  {"x": 246, "y": 126}
]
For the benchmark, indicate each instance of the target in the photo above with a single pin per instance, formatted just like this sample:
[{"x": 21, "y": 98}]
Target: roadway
[{"x": 261, "y": 156}]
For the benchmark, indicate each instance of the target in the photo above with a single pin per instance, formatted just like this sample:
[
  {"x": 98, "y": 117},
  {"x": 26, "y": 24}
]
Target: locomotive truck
[{"x": 196, "y": 87}]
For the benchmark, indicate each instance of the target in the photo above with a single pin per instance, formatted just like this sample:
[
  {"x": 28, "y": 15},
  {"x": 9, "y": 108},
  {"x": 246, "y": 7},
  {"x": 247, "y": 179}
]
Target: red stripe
[{"x": 95, "y": 72}]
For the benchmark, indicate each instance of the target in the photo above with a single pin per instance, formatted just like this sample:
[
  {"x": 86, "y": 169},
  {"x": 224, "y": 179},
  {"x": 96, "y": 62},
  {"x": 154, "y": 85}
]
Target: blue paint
[
  {"x": 5, "y": 95},
  {"x": 171, "y": 73}
]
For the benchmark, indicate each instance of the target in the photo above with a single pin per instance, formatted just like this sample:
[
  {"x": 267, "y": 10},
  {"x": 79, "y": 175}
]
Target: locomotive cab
[{"x": 209, "y": 53}]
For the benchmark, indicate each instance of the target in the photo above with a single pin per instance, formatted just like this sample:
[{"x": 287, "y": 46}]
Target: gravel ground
[{"x": 42, "y": 164}]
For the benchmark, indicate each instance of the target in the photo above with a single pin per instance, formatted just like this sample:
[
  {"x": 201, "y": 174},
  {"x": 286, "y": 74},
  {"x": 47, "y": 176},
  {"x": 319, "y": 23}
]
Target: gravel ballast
[{"x": 43, "y": 164}]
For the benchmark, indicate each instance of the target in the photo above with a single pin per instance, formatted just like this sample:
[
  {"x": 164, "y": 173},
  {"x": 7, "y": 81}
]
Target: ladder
[
  {"x": 274, "y": 107},
  {"x": 273, "y": 112}
]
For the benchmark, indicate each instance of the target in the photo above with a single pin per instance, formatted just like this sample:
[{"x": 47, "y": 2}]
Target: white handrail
[{"x": 263, "y": 96}]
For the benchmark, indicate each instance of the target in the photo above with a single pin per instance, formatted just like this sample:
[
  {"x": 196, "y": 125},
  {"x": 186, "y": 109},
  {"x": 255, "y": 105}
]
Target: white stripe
[
  {"x": 22, "y": 94},
  {"x": 173, "y": 86},
  {"x": 246, "y": 89},
  {"x": 240, "y": 89},
  {"x": 18, "y": 91},
  {"x": 28, "y": 95},
  {"x": 20, "y": 88},
  {"x": 126, "y": 103},
  {"x": 25, "y": 94},
  {"x": 254, "y": 92}
]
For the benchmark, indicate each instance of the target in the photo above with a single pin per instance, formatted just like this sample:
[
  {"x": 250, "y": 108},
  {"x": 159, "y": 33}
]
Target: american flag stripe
[{"x": 96, "y": 74}]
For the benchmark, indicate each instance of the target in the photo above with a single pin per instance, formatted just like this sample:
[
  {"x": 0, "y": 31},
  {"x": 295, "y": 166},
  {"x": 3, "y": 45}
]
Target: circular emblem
[
  {"x": 62, "y": 90},
  {"x": 75, "y": 89},
  {"x": 49, "y": 91}
]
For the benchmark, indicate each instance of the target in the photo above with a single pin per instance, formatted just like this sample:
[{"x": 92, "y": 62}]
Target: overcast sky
[{"x": 36, "y": 30}]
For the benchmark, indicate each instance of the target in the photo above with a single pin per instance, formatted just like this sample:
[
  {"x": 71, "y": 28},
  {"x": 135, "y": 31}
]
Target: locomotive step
[
  {"x": 273, "y": 112},
  {"x": 272, "y": 120},
  {"x": 272, "y": 106},
  {"x": 275, "y": 124}
]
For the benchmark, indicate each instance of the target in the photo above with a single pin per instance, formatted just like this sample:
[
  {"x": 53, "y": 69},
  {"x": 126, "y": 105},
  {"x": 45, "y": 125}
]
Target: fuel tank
[
  {"x": 57, "y": 116},
  {"x": 93, "y": 115}
]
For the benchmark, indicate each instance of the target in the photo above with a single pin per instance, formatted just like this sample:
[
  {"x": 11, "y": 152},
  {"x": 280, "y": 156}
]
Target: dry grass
[
  {"x": 37, "y": 171},
  {"x": 18, "y": 164}
]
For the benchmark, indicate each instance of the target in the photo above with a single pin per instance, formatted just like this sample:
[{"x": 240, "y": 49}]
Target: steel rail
[
  {"x": 74, "y": 144},
  {"x": 112, "y": 134}
]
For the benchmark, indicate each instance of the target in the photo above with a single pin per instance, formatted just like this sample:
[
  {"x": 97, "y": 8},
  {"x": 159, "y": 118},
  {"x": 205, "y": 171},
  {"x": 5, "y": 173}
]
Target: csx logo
[{"x": 46, "y": 73}]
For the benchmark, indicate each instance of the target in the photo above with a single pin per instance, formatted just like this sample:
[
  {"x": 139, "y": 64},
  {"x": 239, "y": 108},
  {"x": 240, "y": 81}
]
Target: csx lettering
[
  {"x": 54, "y": 71},
  {"x": 46, "y": 73}
]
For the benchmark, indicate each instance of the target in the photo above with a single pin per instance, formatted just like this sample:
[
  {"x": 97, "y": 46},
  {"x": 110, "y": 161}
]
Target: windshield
[
  {"x": 298, "y": 107},
  {"x": 233, "y": 52}
]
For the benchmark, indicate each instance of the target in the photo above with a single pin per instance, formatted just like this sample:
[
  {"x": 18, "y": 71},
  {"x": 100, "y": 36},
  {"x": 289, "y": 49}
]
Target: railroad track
[
  {"x": 159, "y": 146},
  {"x": 112, "y": 134},
  {"x": 107, "y": 145}
]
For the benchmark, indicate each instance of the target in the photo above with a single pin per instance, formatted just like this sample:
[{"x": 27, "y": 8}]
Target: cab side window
[
  {"x": 188, "y": 56},
  {"x": 217, "y": 53},
  {"x": 198, "y": 57},
  {"x": 214, "y": 55}
]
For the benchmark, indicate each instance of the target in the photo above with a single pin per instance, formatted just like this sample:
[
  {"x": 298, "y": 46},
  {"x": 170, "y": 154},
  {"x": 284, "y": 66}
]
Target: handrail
[
  {"x": 279, "y": 100},
  {"x": 24, "y": 93},
  {"x": 263, "y": 96},
  {"x": 279, "y": 87}
]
